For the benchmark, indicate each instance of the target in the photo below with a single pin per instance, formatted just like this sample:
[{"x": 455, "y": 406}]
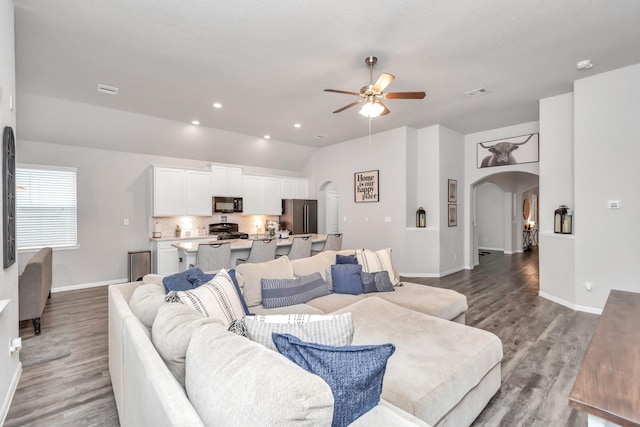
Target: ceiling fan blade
[
  {"x": 349, "y": 106},
  {"x": 404, "y": 95},
  {"x": 383, "y": 81},
  {"x": 342, "y": 91},
  {"x": 385, "y": 111}
]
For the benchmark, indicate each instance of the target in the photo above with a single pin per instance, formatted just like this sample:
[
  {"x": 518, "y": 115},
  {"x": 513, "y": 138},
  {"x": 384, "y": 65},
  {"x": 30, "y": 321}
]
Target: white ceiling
[{"x": 268, "y": 62}]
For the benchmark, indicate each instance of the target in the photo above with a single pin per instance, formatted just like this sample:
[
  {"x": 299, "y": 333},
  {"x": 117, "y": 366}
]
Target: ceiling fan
[{"x": 373, "y": 94}]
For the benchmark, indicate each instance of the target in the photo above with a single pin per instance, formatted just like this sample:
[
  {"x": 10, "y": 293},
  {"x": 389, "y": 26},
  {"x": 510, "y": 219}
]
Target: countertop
[{"x": 241, "y": 244}]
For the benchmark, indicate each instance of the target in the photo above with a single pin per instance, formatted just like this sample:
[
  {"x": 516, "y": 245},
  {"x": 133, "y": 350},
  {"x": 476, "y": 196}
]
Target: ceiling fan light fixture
[{"x": 372, "y": 109}]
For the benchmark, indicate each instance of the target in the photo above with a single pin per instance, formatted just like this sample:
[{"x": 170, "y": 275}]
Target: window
[{"x": 46, "y": 209}]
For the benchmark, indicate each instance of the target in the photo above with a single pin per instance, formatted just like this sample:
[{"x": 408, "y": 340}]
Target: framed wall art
[
  {"x": 366, "y": 186},
  {"x": 453, "y": 215},
  {"x": 453, "y": 190},
  {"x": 508, "y": 151},
  {"x": 8, "y": 197}
]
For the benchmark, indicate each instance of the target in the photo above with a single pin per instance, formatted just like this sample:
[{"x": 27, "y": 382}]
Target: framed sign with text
[{"x": 366, "y": 186}]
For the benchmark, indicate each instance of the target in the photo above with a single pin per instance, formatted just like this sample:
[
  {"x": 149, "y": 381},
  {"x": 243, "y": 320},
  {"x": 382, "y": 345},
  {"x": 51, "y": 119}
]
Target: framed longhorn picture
[{"x": 508, "y": 151}]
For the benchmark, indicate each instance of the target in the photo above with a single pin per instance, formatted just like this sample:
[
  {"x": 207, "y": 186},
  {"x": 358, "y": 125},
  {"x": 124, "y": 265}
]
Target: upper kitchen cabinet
[
  {"x": 295, "y": 188},
  {"x": 261, "y": 195},
  {"x": 226, "y": 181},
  {"x": 178, "y": 192}
]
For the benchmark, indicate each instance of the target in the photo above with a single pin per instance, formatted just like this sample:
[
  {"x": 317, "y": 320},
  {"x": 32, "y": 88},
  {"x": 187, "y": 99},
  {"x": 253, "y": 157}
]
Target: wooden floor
[{"x": 543, "y": 346}]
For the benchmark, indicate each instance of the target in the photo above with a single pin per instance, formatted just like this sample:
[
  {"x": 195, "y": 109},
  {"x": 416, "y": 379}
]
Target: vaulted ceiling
[{"x": 267, "y": 63}]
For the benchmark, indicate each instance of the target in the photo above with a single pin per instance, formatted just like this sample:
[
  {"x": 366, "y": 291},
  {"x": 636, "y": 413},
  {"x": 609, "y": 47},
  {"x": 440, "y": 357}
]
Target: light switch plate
[{"x": 614, "y": 204}]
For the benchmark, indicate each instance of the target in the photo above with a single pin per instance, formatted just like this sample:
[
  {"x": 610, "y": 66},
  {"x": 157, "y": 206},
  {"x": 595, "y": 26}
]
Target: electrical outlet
[
  {"x": 126, "y": 221},
  {"x": 387, "y": 219},
  {"x": 588, "y": 286},
  {"x": 344, "y": 219},
  {"x": 366, "y": 219}
]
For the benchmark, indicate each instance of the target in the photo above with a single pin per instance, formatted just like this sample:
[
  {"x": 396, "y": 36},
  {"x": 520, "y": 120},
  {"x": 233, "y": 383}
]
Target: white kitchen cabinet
[
  {"x": 295, "y": 188},
  {"x": 166, "y": 258},
  {"x": 198, "y": 193},
  {"x": 226, "y": 181},
  {"x": 261, "y": 195},
  {"x": 169, "y": 196},
  {"x": 178, "y": 192}
]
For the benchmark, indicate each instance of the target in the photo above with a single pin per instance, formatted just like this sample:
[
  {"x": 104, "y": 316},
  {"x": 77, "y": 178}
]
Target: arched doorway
[
  {"x": 328, "y": 208},
  {"x": 496, "y": 212}
]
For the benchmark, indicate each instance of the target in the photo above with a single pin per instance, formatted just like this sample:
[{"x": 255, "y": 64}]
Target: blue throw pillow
[
  {"x": 286, "y": 292},
  {"x": 180, "y": 281},
  {"x": 376, "y": 282},
  {"x": 198, "y": 279},
  {"x": 346, "y": 278},
  {"x": 354, "y": 373},
  {"x": 346, "y": 259}
]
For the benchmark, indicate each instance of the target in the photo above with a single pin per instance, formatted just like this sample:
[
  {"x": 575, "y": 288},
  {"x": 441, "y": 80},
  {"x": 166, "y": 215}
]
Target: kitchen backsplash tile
[{"x": 200, "y": 224}]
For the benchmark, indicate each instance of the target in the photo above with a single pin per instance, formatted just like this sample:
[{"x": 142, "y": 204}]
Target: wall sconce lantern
[
  {"x": 563, "y": 220},
  {"x": 421, "y": 218}
]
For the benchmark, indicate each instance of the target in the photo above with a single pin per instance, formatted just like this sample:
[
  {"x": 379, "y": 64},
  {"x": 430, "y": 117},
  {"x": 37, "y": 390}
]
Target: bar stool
[
  {"x": 300, "y": 247},
  {"x": 214, "y": 256},
  {"x": 261, "y": 251},
  {"x": 333, "y": 243}
]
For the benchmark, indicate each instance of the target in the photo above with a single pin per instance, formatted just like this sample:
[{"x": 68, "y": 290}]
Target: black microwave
[{"x": 227, "y": 204}]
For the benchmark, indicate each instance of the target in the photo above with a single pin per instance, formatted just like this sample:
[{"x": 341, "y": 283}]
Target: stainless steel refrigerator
[{"x": 299, "y": 216}]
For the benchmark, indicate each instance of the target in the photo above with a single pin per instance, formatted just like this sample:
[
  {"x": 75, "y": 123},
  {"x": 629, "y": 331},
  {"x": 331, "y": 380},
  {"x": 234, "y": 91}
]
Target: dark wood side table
[{"x": 608, "y": 384}]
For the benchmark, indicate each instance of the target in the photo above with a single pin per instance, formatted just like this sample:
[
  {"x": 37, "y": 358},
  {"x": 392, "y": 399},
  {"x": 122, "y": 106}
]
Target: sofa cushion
[
  {"x": 286, "y": 292},
  {"x": 325, "y": 329},
  {"x": 217, "y": 298},
  {"x": 252, "y": 275},
  {"x": 380, "y": 260},
  {"x": 430, "y": 345},
  {"x": 443, "y": 303},
  {"x": 145, "y": 302},
  {"x": 354, "y": 373},
  {"x": 269, "y": 390},
  {"x": 333, "y": 302},
  {"x": 180, "y": 281},
  {"x": 321, "y": 262},
  {"x": 376, "y": 282},
  {"x": 171, "y": 332},
  {"x": 346, "y": 278}
]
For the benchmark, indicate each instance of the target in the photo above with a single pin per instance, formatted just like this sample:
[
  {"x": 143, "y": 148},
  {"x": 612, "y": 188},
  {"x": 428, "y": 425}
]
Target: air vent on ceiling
[
  {"x": 476, "y": 92},
  {"x": 319, "y": 136},
  {"x": 109, "y": 90}
]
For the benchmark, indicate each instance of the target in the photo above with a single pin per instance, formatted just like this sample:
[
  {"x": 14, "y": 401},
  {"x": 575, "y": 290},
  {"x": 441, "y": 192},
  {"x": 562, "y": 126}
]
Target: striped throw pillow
[
  {"x": 373, "y": 261},
  {"x": 217, "y": 298},
  {"x": 329, "y": 329},
  {"x": 286, "y": 292}
]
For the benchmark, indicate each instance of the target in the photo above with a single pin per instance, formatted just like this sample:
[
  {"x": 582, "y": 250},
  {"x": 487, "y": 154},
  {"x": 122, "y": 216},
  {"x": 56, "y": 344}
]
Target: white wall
[
  {"x": 365, "y": 225},
  {"x": 10, "y": 366},
  {"x": 111, "y": 186},
  {"x": 607, "y": 149},
  {"x": 490, "y": 216},
  {"x": 557, "y": 251},
  {"x": 474, "y": 175}
]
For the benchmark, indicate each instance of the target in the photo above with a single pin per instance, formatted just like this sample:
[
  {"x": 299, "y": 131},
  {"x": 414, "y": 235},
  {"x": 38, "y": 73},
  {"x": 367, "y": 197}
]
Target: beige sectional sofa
[{"x": 442, "y": 373}]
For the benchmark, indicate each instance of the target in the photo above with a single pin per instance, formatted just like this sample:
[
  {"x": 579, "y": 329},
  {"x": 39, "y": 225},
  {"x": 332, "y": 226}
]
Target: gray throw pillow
[
  {"x": 286, "y": 292},
  {"x": 376, "y": 282},
  {"x": 331, "y": 329}
]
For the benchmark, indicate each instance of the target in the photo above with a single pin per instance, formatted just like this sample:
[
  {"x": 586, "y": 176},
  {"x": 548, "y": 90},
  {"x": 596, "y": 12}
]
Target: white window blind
[{"x": 46, "y": 208}]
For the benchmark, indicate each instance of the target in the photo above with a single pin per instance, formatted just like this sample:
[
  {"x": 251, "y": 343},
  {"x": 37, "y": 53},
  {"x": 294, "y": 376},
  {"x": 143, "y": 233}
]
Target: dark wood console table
[{"x": 608, "y": 383}]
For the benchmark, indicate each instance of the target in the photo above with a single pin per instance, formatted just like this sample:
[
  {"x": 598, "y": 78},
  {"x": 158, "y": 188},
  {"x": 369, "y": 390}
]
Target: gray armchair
[{"x": 34, "y": 287}]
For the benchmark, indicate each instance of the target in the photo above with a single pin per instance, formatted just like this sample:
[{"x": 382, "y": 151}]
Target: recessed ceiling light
[
  {"x": 297, "y": 125},
  {"x": 217, "y": 105},
  {"x": 109, "y": 90},
  {"x": 585, "y": 64},
  {"x": 267, "y": 137},
  {"x": 476, "y": 92},
  {"x": 195, "y": 122}
]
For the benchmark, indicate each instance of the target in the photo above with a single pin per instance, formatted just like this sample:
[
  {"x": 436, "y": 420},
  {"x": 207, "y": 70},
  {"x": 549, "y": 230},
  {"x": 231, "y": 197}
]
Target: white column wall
[
  {"x": 607, "y": 131},
  {"x": 490, "y": 216}
]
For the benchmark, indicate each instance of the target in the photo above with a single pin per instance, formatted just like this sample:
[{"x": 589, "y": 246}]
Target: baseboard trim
[
  {"x": 570, "y": 305},
  {"x": 87, "y": 285},
  {"x": 11, "y": 392},
  {"x": 436, "y": 275},
  {"x": 491, "y": 249}
]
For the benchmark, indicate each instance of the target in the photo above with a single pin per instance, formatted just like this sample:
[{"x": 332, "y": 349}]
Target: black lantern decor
[
  {"x": 562, "y": 220},
  {"x": 421, "y": 218}
]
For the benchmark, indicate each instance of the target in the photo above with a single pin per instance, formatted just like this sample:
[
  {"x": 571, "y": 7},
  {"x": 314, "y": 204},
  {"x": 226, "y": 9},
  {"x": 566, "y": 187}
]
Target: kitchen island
[{"x": 240, "y": 248}]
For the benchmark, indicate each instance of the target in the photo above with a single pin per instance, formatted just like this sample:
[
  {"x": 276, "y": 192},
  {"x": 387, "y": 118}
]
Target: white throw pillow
[
  {"x": 380, "y": 260},
  {"x": 217, "y": 298}
]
